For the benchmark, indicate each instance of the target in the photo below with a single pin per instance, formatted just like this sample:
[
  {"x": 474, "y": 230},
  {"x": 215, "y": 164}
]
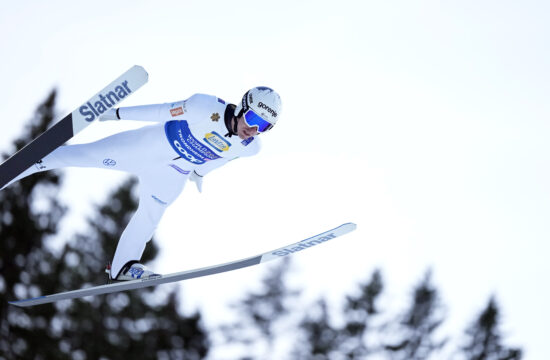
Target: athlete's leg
[
  {"x": 128, "y": 151},
  {"x": 157, "y": 190}
]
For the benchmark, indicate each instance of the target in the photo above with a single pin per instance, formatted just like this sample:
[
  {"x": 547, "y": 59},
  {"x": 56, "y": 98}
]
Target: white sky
[{"x": 423, "y": 122}]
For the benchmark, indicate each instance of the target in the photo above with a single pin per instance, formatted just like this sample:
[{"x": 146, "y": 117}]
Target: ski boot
[{"x": 133, "y": 270}]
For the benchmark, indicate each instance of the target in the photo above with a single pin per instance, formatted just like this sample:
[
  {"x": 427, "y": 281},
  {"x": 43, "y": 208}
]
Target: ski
[
  {"x": 191, "y": 274},
  {"x": 124, "y": 86}
]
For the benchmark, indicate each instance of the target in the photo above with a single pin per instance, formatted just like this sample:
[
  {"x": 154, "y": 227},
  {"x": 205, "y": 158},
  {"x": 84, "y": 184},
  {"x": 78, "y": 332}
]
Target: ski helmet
[{"x": 261, "y": 106}]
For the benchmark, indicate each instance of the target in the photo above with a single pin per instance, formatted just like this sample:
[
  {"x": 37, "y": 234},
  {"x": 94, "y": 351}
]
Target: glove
[
  {"x": 111, "y": 114},
  {"x": 197, "y": 179}
]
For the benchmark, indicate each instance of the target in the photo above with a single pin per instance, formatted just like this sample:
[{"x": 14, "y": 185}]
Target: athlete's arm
[{"x": 178, "y": 110}]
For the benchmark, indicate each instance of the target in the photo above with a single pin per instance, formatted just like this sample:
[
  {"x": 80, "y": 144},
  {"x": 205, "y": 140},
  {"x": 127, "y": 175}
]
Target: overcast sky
[{"x": 424, "y": 122}]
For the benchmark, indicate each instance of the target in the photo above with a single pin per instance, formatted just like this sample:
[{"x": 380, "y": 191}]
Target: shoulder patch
[
  {"x": 245, "y": 142},
  {"x": 177, "y": 111},
  {"x": 177, "y": 108}
]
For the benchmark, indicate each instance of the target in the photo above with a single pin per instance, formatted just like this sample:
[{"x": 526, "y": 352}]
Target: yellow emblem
[{"x": 217, "y": 141}]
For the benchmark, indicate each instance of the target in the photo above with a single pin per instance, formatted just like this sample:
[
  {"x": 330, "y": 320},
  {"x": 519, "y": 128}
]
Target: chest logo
[
  {"x": 215, "y": 117},
  {"x": 217, "y": 141}
]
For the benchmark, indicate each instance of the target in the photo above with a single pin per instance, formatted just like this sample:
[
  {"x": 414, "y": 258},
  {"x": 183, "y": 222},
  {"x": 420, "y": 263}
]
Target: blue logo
[
  {"x": 245, "y": 142},
  {"x": 105, "y": 102},
  {"x": 302, "y": 245},
  {"x": 221, "y": 101},
  {"x": 186, "y": 145},
  {"x": 109, "y": 162},
  {"x": 135, "y": 272}
]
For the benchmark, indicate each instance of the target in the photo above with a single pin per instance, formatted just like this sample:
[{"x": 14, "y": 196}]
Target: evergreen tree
[
  {"x": 261, "y": 312},
  {"x": 484, "y": 338},
  {"x": 417, "y": 327},
  {"x": 359, "y": 312},
  {"x": 321, "y": 338},
  {"x": 139, "y": 324},
  {"x": 29, "y": 214}
]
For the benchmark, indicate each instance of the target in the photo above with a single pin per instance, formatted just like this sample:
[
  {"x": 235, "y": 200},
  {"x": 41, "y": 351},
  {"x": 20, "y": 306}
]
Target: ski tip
[
  {"x": 139, "y": 68},
  {"x": 350, "y": 226}
]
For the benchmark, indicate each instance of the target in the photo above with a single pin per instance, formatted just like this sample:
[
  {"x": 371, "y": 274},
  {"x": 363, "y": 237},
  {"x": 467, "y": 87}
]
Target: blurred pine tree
[
  {"x": 259, "y": 314},
  {"x": 484, "y": 340},
  {"x": 414, "y": 337},
  {"x": 360, "y": 312},
  {"x": 145, "y": 324}
]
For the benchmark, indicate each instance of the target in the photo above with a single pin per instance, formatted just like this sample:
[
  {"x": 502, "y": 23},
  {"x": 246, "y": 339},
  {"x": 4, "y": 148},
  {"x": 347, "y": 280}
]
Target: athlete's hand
[
  {"x": 110, "y": 114},
  {"x": 197, "y": 179}
]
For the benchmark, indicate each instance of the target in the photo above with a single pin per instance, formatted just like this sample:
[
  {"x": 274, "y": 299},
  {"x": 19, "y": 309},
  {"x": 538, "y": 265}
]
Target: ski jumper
[{"x": 190, "y": 135}]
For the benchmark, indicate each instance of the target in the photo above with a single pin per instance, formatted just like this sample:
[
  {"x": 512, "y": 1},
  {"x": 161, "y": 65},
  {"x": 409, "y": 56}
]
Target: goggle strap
[
  {"x": 235, "y": 123},
  {"x": 245, "y": 102}
]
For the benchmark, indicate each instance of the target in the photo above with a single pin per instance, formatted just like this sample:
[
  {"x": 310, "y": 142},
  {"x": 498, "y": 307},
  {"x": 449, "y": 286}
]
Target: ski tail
[{"x": 73, "y": 123}]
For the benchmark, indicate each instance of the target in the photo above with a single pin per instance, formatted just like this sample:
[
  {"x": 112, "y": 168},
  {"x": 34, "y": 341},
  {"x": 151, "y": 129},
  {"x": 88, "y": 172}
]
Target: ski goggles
[{"x": 252, "y": 119}]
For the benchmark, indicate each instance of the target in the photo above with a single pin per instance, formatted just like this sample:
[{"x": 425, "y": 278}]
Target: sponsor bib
[{"x": 186, "y": 145}]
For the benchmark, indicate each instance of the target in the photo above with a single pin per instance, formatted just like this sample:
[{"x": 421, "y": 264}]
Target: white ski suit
[{"x": 190, "y": 135}]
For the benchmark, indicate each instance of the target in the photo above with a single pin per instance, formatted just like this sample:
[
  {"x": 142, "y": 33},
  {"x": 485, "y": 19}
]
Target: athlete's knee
[{"x": 153, "y": 208}]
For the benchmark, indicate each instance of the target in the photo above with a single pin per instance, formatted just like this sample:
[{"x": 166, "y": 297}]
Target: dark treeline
[
  {"x": 148, "y": 324},
  {"x": 362, "y": 329}
]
